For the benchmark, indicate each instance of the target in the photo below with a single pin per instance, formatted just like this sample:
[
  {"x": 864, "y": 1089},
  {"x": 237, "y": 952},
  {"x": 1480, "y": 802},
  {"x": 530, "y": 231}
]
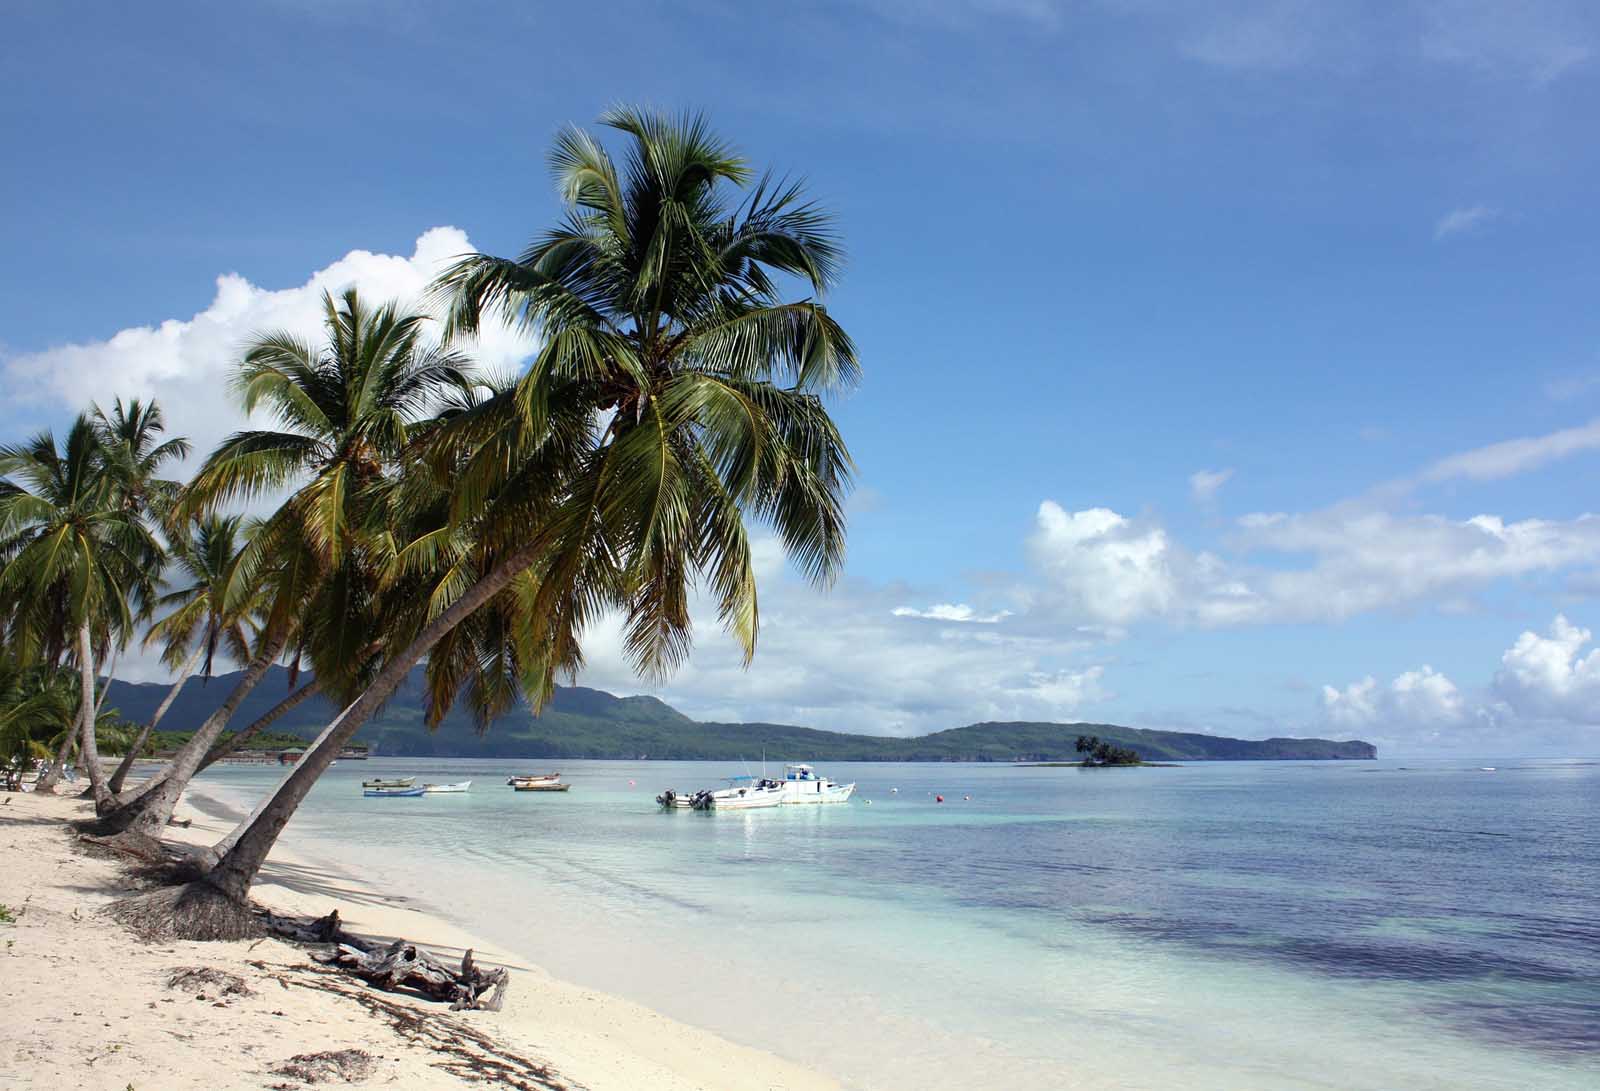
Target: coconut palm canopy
[
  {"x": 71, "y": 553},
  {"x": 659, "y": 300}
]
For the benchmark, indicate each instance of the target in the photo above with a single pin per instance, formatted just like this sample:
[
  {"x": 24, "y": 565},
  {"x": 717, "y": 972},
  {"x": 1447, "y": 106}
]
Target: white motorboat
[
  {"x": 742, "y": 794},
  {"x": 439, "y": 789},
  {"x": 397, "y": 782},
  {"x": 801, "y": 784}
]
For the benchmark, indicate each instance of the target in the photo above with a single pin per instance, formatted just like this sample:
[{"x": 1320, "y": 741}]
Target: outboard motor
[{"x": 667, "y": 798}]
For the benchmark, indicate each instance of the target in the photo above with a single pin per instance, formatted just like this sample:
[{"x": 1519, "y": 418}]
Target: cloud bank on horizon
[{"x": 1047, "y": 641}]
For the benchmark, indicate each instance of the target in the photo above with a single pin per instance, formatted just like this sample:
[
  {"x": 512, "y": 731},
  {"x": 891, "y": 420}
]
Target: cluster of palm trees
[{"x": 417, "y": 511}]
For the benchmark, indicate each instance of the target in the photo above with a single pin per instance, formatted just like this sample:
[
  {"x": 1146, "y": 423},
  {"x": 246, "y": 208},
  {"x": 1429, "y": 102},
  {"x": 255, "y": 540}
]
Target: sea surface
[{"x": 1385, "y": 924}]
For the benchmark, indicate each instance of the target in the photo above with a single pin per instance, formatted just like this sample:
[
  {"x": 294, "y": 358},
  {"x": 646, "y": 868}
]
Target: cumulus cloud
[
  {"x": 1546, "y": 686},
  {"x": 1462, "y": 221},
  {"x": 1418, "y": 698},
  {"x": 1098, "y": 566},
  {"x": 1205, "y": 484},
  {"x": 185, "y": 362},
  {"x": 848, "y": 661},
  {"x": 1549, "y": 676}
]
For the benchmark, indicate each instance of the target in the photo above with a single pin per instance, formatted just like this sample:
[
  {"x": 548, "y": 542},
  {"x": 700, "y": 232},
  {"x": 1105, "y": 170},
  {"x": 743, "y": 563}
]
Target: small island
[{"x": 1098, "y": 753}]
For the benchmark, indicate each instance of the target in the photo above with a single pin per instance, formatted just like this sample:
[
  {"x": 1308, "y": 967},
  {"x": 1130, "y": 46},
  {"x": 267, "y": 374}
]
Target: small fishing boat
[
  {"x": 801, "y": 784},
  {"x": 539, "y": 786},
  {"x": 746, "y": 793},
  {"x": 532, "y": 778},
  {"x": 439, "y": 789},
  {"x": 741, "y": 794},
  {"x": 406, "y": 792},
  {"x": 400, "y": 782}
]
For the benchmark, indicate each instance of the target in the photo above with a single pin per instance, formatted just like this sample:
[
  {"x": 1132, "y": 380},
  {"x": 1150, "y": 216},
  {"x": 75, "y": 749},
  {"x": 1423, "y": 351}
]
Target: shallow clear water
[{"x": 1352, "y": 925}]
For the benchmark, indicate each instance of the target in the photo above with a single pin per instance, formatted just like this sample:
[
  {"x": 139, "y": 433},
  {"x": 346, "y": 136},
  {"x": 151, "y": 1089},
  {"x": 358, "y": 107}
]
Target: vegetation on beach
[{"x": 432, "y": 518}]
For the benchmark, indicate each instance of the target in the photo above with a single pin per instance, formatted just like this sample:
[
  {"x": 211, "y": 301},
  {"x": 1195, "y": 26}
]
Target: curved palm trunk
[
  {"x": 128, "y": 759},
  {"x": 239, "y": 856},
  {"x": 150, "y": 811},
  {"x": 87, "y": 707},
  {"x": 266, "y": 720},
  {"x": 105, "y": 691}
]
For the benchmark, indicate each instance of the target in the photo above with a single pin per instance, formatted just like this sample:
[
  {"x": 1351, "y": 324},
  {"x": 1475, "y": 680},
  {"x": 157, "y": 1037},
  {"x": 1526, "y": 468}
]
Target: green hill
[{"x": 589, "y": 723}]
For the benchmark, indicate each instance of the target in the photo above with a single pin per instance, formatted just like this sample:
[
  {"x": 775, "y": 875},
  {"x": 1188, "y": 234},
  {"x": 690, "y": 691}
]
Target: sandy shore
[{"x": 85, "y": 1005}]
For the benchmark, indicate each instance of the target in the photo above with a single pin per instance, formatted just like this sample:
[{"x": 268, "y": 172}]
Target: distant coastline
[{"x": 582, "y": 723}]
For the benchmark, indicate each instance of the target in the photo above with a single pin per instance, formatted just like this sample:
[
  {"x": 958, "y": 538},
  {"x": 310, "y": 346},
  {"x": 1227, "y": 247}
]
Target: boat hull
[
  {"x": 815, "y": 791},
  {"x": 745, "y": 799},
  {"x": 549, "y": 786},
  {"x": 395, "y": 793},
  {"x": 447, "y": 789}
]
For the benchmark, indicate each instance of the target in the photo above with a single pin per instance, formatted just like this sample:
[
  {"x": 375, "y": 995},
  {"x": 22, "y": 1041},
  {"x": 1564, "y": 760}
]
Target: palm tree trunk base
[
  {"x": 194, "y": 911},
  {"x": 126, "y": 842}
]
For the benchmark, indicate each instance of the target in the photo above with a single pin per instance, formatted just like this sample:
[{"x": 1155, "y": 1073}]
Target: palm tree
[
  {"x": 658, "y": 302},
  {"x": 77, "y": 565},
  {"x": 36, "y": 704},
  {"x": 345, "y": 411},
  {"x": 206, "y": 613},
  {"x": 133, "y": 454}
]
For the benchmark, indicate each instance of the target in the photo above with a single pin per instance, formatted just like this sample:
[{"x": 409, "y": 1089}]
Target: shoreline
[{"x": 132, "y": 1031}]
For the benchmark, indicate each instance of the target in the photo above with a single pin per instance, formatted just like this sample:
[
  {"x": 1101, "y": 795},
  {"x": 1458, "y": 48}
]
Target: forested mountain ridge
[{"x": 590, "y": 723}]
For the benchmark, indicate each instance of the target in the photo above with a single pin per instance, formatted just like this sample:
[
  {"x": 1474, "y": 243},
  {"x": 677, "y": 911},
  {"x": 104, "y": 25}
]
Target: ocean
[{"x": 1388, "y": 924}]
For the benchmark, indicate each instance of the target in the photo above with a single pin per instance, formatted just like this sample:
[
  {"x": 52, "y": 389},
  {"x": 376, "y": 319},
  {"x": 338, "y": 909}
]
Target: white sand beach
[{"x": 84, "y": 1004}]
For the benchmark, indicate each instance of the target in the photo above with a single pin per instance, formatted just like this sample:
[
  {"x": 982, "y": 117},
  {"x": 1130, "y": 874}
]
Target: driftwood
[{"x": 398, "y": 967}]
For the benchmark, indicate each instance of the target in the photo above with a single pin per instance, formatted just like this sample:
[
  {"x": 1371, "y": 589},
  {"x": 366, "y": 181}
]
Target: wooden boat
[
  {"x": 399, "y": 782},
  {"x": 405, "y": 792},
  {"x": 437, "y": 789},
  {"x": 532, "y": 778},
  {"x": 540, "y": 786}
]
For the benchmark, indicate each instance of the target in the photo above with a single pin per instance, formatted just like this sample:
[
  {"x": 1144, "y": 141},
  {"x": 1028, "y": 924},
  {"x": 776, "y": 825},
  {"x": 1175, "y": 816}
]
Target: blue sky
[{"x": 1331, "y": 255}]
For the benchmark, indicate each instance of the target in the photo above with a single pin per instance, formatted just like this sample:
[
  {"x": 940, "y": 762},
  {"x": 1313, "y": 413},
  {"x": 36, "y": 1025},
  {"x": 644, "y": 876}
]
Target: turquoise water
[{"x": 1352, "y": 925}]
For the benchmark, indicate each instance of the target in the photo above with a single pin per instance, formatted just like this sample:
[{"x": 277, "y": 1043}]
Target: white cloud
[
  {"x": 1538, "y": 41},
  {"x": 1514, "y": 456},
  {"x": 1462, "y": 221},
  {"x": 1356, "y": 705},
  {"x": 1099, "y": 567},
  {"x": 848, "y": 661},
  {"x": 1414, "y": 699},
  {"x": 1546, "y": 686},
  {"x": 1103, "y": 566},
  {"x": 952, "y": 611},
  {"x": 185, "y": 363},
  {"x": 1205, "y": 484},
  {"x": 1550, "y": 677}
]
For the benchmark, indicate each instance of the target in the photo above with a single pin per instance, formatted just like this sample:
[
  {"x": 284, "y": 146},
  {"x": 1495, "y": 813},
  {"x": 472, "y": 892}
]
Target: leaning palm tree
[
  {"x": 75, "y": 565},
  {"x": 344, "y": 410},
  {"x": 659, "y": 305},
  {"x": 205, "y": 614}
]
